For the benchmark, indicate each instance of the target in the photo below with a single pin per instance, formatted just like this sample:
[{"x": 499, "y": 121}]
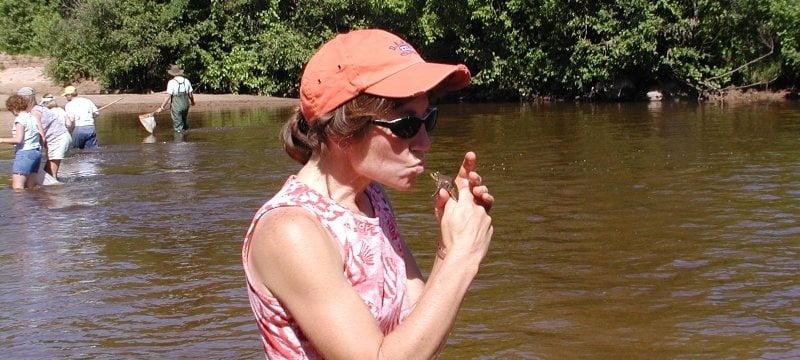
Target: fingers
[
  {"x": 439, "y": 201},
  {"x": 467, "y": 178},
  {"x": 468, "y": 181},
  {"x": 479, "y": 191},
  {"x": 483, "y": 197},
  {"x": 467, "y": 166}
]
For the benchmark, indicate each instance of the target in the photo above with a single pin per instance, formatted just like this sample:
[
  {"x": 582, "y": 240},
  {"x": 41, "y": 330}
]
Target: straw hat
[
  {"x": 69, "y": 90},
  {"x": 175, "y": 70}
]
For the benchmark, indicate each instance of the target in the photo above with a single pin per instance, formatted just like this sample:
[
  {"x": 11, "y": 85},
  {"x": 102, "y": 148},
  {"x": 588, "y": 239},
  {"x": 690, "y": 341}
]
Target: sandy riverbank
[{"x": 19, "y": 71}]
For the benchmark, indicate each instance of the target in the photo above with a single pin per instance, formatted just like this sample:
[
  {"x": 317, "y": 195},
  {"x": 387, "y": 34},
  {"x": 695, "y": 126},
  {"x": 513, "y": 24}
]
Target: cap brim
[{"x": 421, "y": 78}]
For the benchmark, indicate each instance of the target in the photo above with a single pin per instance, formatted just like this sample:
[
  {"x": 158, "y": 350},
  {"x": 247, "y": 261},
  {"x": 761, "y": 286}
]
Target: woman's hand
[
  {"x": 466, "y": 178},
  {"x": 468, "y": 217}
]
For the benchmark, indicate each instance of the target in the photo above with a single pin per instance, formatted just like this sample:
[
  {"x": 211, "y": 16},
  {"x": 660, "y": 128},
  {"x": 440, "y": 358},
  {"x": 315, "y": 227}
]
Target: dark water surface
[{"x": 621, "y": 231}]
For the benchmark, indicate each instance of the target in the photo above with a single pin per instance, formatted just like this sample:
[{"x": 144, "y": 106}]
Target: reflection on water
[{"x": 621, "y": 231}]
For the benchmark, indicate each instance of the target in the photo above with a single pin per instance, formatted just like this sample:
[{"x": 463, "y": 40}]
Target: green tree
[
  {"x": 528, "y": 48},
  {"x": 784, "y": 20},
  {"x": 25, "y": 26},
  {"x": 123, "y": 44}
]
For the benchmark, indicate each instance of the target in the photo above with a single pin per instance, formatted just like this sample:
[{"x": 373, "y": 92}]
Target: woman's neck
[{"x": 335, "y": 179}]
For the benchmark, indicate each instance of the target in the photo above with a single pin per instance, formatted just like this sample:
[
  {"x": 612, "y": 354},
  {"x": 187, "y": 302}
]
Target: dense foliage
[{"x": 607, "y": 49}]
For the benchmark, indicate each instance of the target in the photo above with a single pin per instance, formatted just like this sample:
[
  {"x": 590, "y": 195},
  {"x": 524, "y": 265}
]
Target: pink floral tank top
[{"x": 373, "y": 264}]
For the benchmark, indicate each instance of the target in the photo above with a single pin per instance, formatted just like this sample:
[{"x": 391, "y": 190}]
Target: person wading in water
[{"x": 180, "y": 95}]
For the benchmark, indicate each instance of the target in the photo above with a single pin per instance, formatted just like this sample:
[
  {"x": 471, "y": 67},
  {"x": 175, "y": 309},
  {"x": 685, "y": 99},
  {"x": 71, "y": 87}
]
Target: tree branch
[{"x": 771, "y": 46}]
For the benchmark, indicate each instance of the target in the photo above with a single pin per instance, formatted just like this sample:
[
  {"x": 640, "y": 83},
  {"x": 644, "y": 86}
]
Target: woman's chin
[{"x": 406, "y": 185}]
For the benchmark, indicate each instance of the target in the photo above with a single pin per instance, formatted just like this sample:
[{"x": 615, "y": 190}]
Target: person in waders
[{"x": 180, "y": 96}]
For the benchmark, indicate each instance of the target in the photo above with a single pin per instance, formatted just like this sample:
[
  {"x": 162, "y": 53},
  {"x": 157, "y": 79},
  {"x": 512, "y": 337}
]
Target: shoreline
[
  {"x": 17, "y": 71},
  {"x": 21, "y": 70}
]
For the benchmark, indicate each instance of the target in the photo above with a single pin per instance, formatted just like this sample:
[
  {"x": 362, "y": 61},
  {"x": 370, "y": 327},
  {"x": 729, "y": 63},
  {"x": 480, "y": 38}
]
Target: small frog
[{"x": 445, "y": 182}]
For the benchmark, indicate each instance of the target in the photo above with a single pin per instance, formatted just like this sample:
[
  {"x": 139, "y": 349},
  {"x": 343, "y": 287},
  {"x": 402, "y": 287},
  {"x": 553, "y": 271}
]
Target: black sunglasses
[{"x": 408, "y": 126}]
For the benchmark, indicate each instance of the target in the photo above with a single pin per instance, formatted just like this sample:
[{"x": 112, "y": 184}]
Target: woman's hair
[
  {"x": 17, "y": 103},
  {"x": 49, "y": 101},
  {"x": 345, "y": 123}
]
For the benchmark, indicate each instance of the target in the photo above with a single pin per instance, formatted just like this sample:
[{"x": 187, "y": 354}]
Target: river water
[{"x": 621, "y": 231}]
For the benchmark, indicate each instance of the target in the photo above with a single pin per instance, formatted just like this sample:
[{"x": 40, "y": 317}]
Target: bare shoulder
[
  {"x": 289, "y": 234},
  {"x": 292, "y": 254},
  {"x": 288, "y": 220}
]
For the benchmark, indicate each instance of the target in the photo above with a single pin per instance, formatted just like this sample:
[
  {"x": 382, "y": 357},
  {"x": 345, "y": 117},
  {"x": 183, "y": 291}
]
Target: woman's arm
[
  {"x": 68, "y": 122},
  {"x": 467, "y": 179},
  {"x": 18, "y": 135},
  {"x": 40, "y": 129},
  {"x": 299, "y": 263}
]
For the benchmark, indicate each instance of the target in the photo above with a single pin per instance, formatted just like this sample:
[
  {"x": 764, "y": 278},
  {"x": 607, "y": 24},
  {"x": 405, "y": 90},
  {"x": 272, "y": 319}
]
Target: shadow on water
[{"x": 621, "y": 230}]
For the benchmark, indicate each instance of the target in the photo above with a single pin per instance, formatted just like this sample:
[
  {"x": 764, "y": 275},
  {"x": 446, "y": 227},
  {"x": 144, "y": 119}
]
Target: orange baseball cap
[{"x": 370, "y": 61}]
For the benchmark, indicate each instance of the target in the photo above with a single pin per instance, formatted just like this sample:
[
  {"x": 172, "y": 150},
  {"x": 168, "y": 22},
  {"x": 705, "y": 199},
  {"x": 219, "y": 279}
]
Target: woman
[
  {"x": 25, "y": 136},
  {"x": 57, "y": 126},
  {"x": 328, "y": 274}
]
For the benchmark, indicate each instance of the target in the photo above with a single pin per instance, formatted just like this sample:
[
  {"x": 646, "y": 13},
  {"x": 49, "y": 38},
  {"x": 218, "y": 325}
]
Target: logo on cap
[{"x": 404, "y": 48}]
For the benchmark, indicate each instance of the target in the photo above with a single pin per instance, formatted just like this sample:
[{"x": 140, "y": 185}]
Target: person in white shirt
[
  {"x": 82, "y": 112},
  {"x": 180, "y": 96},
  {"x": 57, "y": 132}
]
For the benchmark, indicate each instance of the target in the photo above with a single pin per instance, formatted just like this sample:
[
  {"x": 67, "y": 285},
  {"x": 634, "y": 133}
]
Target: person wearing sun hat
[
  {"x": 327, "y": 272},
  {"x": 57, "y": 127},
  {"x": 83, "y": 113},
  {"x": 180, "y": 96},
  {"x": 56, "y": 136}
]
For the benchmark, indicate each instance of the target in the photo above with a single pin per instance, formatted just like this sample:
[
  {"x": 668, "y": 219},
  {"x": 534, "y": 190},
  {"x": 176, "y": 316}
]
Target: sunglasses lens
[
  {"x": 430, "y": 119},
  {"x": 407, "y": 127}
]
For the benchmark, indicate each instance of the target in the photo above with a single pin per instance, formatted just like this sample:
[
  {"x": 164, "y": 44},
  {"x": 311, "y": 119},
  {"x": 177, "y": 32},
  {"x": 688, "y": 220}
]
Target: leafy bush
[{"x": 606, "y": 49}]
